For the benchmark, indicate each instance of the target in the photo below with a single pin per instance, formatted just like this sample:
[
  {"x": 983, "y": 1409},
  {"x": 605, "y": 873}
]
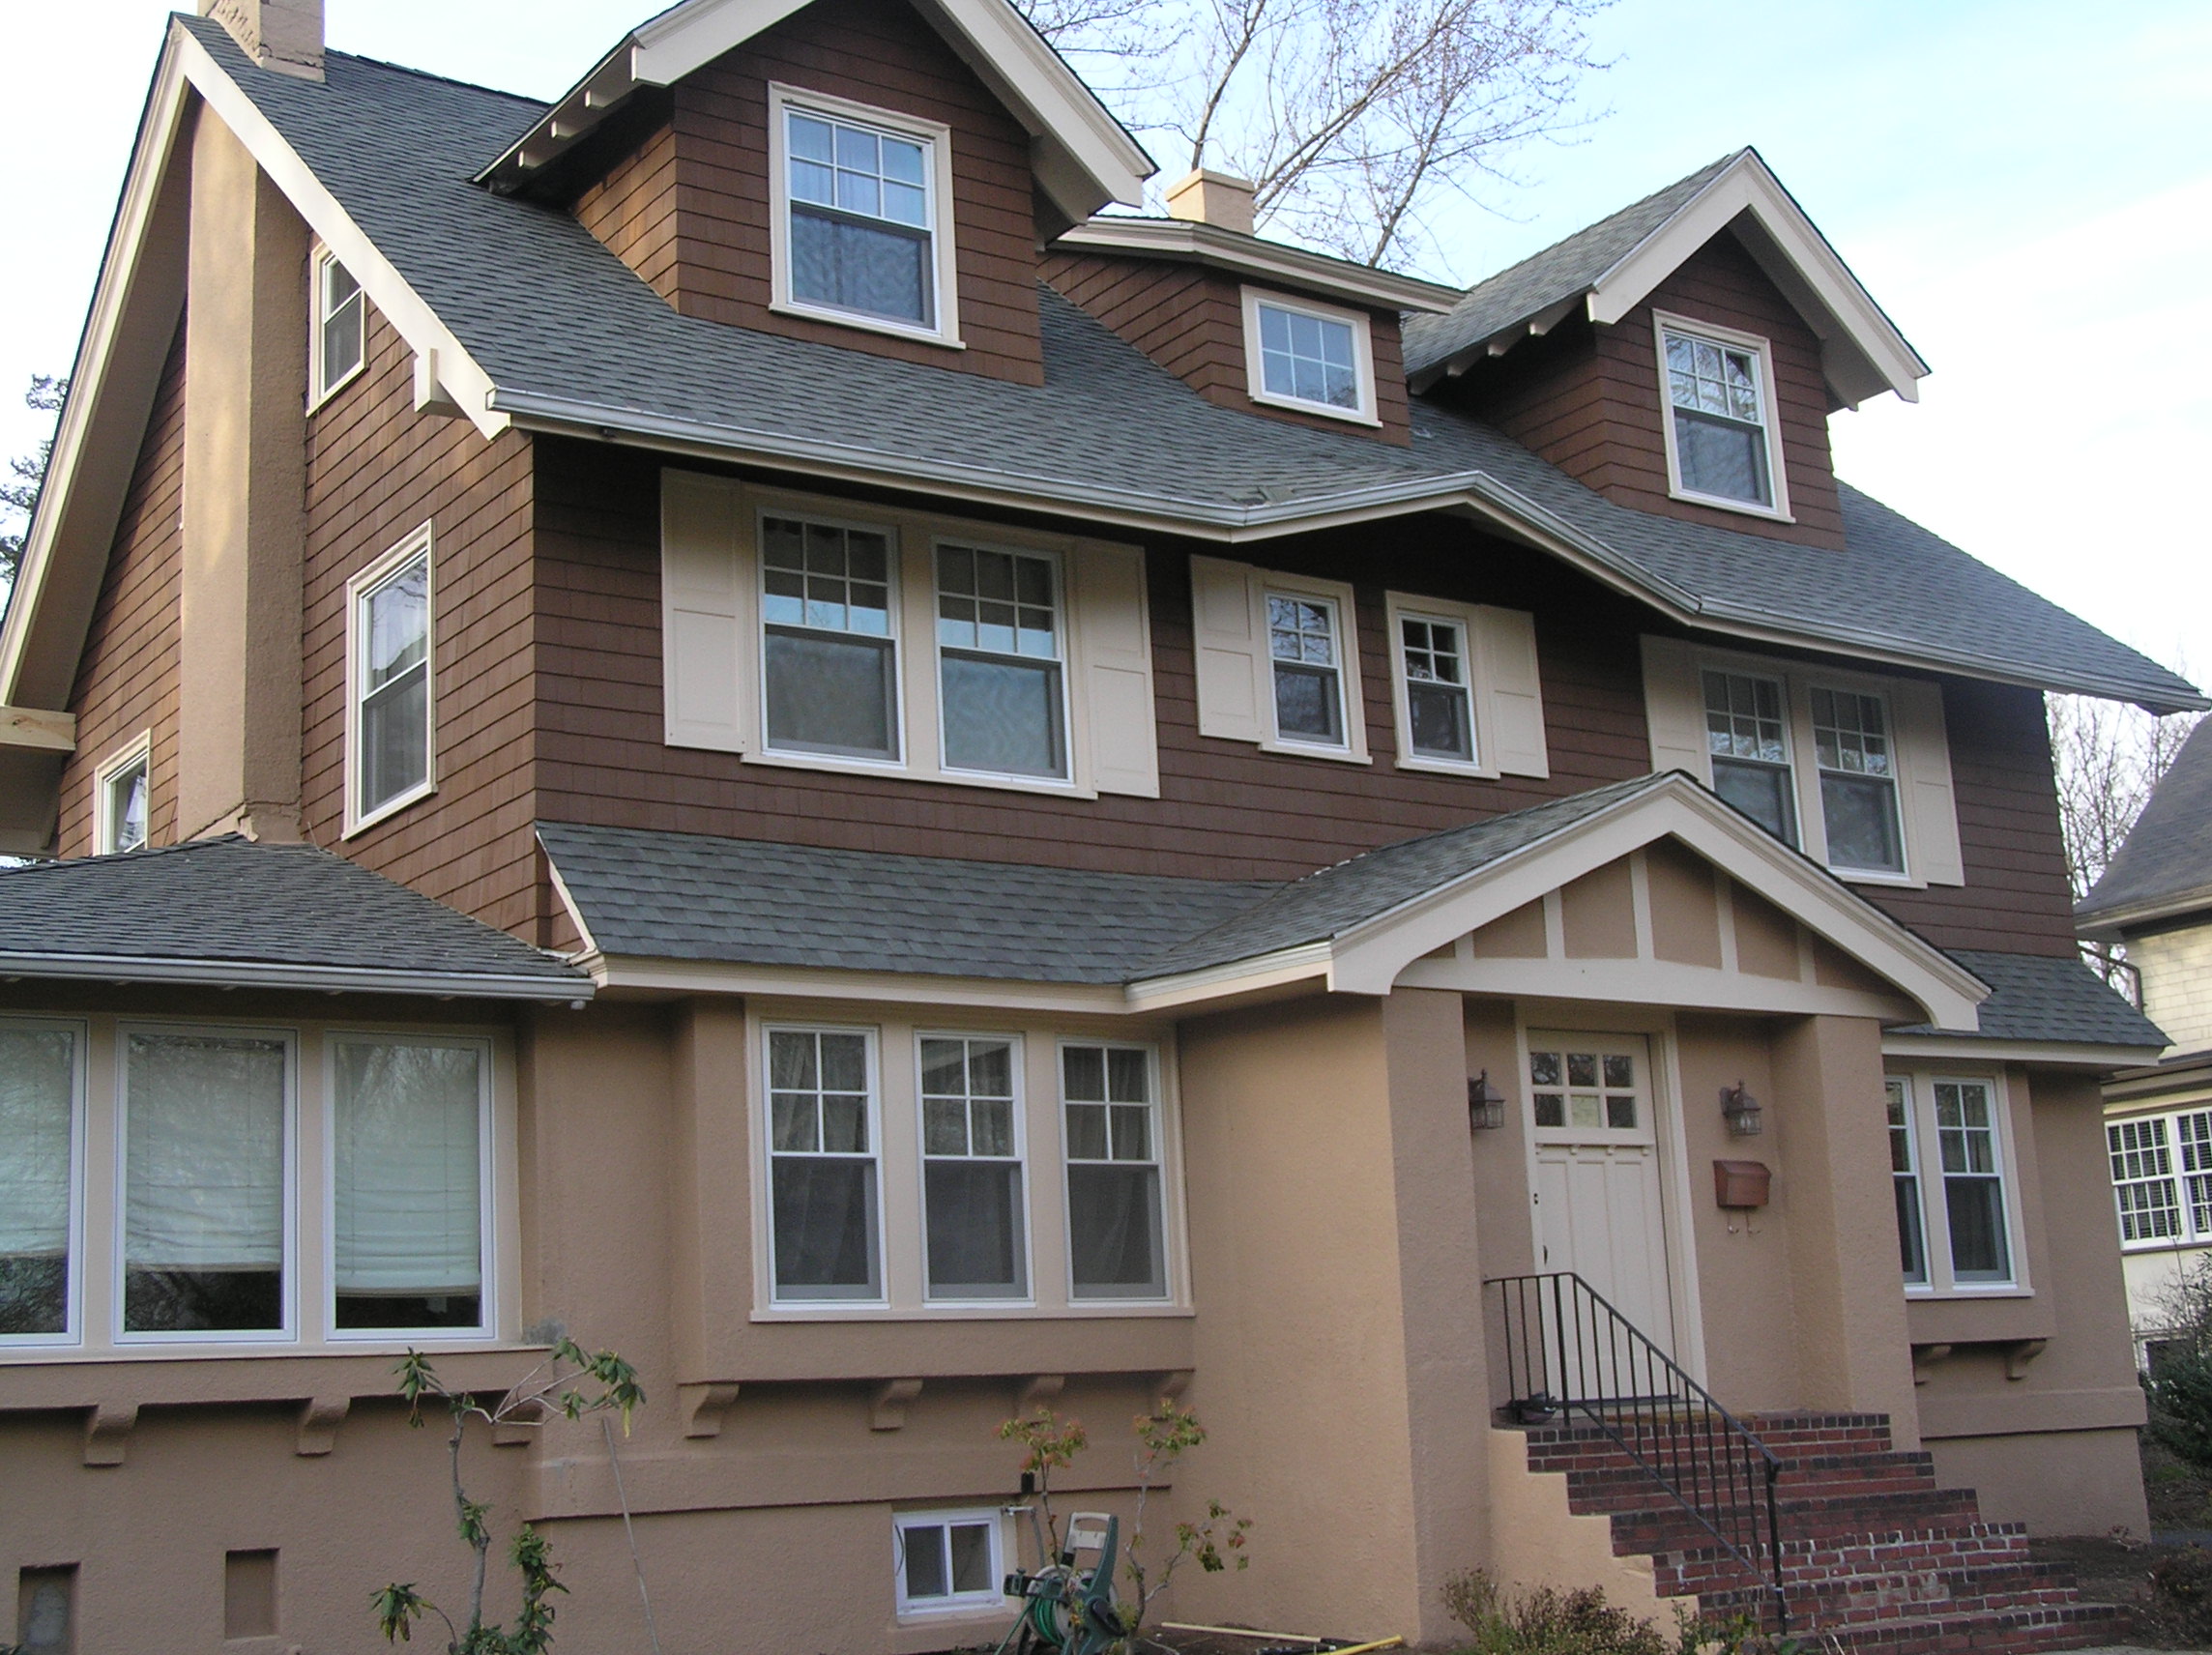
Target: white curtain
[
  {"x": 37, "y": 1072},
  {"x": 409, "y": 1173},
  {"x": 204, "y": 1155}
]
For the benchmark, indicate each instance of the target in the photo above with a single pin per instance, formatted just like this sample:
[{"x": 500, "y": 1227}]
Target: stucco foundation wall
[{"x": 2064, "y": 1482}]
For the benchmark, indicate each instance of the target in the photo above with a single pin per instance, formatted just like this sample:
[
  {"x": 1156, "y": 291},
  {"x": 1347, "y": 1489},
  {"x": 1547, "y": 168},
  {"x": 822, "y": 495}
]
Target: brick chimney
[
  {"x": 1210, "y": 197},
  {"x": 282, "y": 35}
]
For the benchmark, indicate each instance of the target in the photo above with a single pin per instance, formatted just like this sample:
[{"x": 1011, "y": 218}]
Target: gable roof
[
  {"x": 526, "y": 320},
  {"x": 236, "y": 913},
  {"x": 2163, "y": 867},
  {"x": 1608, "y": 268},
  {"x": 1084, "y": 156}
]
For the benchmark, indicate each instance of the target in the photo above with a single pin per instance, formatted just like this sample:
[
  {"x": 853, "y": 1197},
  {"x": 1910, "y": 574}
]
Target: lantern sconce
[
  {"x": 1742, "y": 1111},
  {"x": 1485, "y": 1104}
]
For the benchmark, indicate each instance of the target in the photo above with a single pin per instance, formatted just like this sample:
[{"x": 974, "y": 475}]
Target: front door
[{"x": 1598, "y": 1210}]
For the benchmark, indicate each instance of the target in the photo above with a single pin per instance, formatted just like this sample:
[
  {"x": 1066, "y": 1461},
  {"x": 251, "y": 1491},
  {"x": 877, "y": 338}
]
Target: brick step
[
  {"x": 1634, "y": 1489},
  {"x": 1934, "y": 1519},
  {"x": 2019, "y": 1632}
]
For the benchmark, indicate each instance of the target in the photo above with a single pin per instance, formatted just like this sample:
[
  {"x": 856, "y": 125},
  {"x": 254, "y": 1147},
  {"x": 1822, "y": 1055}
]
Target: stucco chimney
[
  {"x": 283, "y": 35},
  {"x": 1211, "y": 197}
]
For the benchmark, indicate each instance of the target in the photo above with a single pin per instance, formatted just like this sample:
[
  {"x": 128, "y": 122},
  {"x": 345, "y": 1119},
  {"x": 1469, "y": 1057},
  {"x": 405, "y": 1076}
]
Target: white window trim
[
  {"x": 1362, "y": 357},
  {"x": 2190, "y": 1234},
  {"x": 1662, "y": 323},
  {"x": 420, "y": 543},
  {"x": 894, "y": 595},
  {"x": 1017, "y": 1058},
  {"x": 1353, "y": 711},
  {"x": 1401, "y": 607},
  {"x": 487, "y": 1194},
  {"x": 71, "y": 1335},
  {"x": 318, "y": 393},
  {"x": 288, "y": 1294},
  {"x": 1063, "y": 642},
  {"x": 957, "y": 1604},
  {"x": 944, "y": 274},
  {"x": 1919, "y": 1176},
  {"x": 872, "y": 1039},
  {"x": 139, "y": 750},
  {"x": 1167, "y": 1135},
  {"x": 1934, "y": 1213}
]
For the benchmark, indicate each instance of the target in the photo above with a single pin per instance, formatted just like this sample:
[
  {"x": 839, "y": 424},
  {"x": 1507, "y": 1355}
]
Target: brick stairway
[{"x": 1876, "y": 1559}]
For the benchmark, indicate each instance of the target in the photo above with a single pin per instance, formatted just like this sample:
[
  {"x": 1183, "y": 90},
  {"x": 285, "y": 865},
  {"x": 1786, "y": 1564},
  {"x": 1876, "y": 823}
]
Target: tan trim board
[
  {"x": 632, "y": 972},
  {"x": 2042, "y": 1054},
  {"x": 1648, "y": 982},
  {"x": 1981, "y": 1413},
  {"x": 38, "y": 730}
]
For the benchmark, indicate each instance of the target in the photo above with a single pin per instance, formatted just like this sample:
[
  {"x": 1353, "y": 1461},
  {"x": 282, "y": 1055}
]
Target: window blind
[
  {"x": 408, "y": 1175},
  {"x": 204, "y": 1157},
  {"x": 37, "y": 1071}
]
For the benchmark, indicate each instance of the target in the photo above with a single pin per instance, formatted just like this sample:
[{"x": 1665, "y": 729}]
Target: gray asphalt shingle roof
[
  {"x": 2041, "y": 998},
  {"x": 555, "y": 318},
  {"x": 231, "y": 910},
  {"x": 2164, "y": 864}
]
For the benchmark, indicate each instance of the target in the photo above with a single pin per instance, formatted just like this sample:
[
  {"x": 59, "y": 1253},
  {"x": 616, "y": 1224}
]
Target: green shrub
[
  {"x": 2180, "y": 1395},
  {"x": 2181, "y": 1593},
  {"x": 1543, "y": 1621}
]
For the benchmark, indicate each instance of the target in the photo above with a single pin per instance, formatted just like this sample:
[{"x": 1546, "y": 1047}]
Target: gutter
[{"x": 256, "y": 973}]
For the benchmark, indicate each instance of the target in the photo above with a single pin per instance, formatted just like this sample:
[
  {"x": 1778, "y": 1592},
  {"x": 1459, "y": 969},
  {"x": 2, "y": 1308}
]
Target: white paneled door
[{"x": 1598, "y": 1210}]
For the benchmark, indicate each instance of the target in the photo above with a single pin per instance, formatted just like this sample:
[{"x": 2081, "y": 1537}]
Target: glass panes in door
[{"x": 1586, "y": 1089}]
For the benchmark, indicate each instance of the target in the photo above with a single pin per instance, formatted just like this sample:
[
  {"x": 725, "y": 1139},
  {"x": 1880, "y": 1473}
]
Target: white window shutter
[
  {"x": 1114, "y": 641},
  {"x": 703, "y": 612},
  {"x": 1675, "y": 709},
  {"x": 1924, "y": 771},
  {"x": 1229, "y": 641},
  {"x": 1505, "y": 649}
]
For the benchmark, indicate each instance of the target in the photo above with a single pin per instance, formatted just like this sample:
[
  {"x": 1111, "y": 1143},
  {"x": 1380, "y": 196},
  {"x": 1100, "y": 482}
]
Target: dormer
[
  {"x": 1248, "y": 323},
  {"x": 863, "y": 173},
  {"x": 1681, "y": 357}
]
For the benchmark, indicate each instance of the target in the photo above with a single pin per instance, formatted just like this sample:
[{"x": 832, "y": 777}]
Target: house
[
  {"x": 2156, "y": 898},
  {"x": 727, "y": 718}
]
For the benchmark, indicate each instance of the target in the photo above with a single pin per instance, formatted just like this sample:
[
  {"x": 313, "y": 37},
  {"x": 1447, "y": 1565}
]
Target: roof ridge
[{"x": 408, "y": 69}]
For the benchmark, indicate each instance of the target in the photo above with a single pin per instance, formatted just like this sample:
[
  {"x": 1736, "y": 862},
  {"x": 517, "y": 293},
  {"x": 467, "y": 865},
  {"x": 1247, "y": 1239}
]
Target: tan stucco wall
[{"x": 1537, "y": 1539}]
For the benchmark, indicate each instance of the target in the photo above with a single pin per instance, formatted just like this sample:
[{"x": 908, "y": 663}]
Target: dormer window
[
  {"x": 1313, "y": 358},
  {"x": 860, "y": 232},
  {"x": 1723, "y": 445}
]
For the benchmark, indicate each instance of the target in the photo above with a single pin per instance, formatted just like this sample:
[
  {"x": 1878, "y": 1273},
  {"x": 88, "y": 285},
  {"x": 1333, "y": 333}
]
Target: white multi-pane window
[
  {"x": 40, "y": 1091},
  {"x": 1305, "y": 648},
  {"x": 389, "y": 711},
  {"x": 1958, "y": 1216},
  {"x": 338, "y": 342},
  {"x": 825, "y": 1224},
  {"x": 1747, "y": 732},
  {"x": 1309, "y": 356},
  {"x": 946, "y": 1561},
  {"x": 2161, "y": 1178},
  {"x": 1439, "y": 688},
  {"x": 1001, "y": 679},
  {"x": 1116, "y": 1242},
  {"x": 829, "y": 648},
  {"x": 122, "y": 801},
  {"x": 1721, "y": 438},
  {"x": 1858, "y": 781},
  {"x": 976, "y": 1222}
]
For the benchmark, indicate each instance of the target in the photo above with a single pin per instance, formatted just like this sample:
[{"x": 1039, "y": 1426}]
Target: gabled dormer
[
  {"x": 863, "y": 173},
  {"x": 1680, "y": 357}
]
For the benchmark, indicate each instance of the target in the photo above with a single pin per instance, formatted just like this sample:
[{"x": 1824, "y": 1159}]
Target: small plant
[
  {"x": 1544, "y": 1620},
  {"x": 2181, "y": 1593},
  {"x": 568, "y": 1385}
]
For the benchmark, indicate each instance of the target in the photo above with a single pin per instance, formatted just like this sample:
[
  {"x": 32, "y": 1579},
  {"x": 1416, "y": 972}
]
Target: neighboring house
[
  {"x": 2157, "y": 899},
  {"x": 716, "y": 717}
]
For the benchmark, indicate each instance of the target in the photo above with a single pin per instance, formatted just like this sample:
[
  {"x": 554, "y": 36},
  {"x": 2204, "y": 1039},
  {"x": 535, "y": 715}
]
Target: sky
[{"x": 2025, "y": 186}]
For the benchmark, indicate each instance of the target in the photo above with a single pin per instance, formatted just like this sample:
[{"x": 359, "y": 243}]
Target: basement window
[
  {"x": 1723, "y": 443},
  {"x": 948, "y": 1562},
  {"x": 1313, "y": 358},
  {"x": 339, "y": 343}
]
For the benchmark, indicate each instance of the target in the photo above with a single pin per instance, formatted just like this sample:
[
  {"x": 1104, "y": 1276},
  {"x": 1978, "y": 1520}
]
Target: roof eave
[
  {"x": 1209, "y": 244},
  {"x": 2110, "y": 921},
  {"x": 278, "y": 975}
]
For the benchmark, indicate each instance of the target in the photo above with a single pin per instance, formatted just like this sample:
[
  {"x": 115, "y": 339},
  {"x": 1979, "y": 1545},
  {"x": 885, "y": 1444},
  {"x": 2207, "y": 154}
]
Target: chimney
[
  {"x": 282, "y": 35},
  {"x": 1216, "y": 198}
]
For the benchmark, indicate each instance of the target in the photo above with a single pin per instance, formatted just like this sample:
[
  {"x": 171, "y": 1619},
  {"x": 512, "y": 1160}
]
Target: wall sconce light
[
  {"x": 1742, "y": 1110},
  {"x": 1485, "y": 1104}
]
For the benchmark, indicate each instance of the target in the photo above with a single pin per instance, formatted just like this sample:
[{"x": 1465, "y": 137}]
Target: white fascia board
[
  {"x": 248, "y": 974},
  {"x": 1258, "y": 260},
  {"x": 2042, "y": 1054},
  {"x": 1305, "y": 961},
  {"x": 662, "y": 977},
  {"x": 1747, "y": 185},
  {"x": 412, "y": 319},
  {"x": 1651, "y": 982}
]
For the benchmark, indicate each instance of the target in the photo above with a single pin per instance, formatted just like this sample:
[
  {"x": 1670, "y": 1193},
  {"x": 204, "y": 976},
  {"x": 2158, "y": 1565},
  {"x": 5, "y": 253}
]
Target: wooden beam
[{"x": 36, "y": 727}]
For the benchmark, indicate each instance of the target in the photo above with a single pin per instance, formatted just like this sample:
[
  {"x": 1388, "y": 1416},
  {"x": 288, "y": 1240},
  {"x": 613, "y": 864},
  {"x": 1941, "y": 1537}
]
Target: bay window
[
  {"x": 1116, "y": 1241},
  {"x": 39, "y": 1065},
  {"x": 1957, "y": 1210},
  {"x": 822, "y": 1164},
  {"x": 975, "y": 1223}
]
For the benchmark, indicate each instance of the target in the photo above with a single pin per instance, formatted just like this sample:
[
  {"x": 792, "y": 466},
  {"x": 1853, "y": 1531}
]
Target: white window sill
[
  {"x": 1323, "y": 410},
  {"x": 867, "y": 324},
  {"x": 1894, "y": 881},
  {"x": 1086, "y": 1310},
  {"x": 390, "y": 808},
  {"x": 194, "y": 1347},
  {"x": 995, "y": 1611},
  {"x": 1722, "y": 503},
  {"x": 906, "y": 772},
  {"x": 316, "y": 400},
  {"x": 1450, "y": 767},
  {"x": 1953, "y": 1294},
  {"x": 1315, "y": 750}
]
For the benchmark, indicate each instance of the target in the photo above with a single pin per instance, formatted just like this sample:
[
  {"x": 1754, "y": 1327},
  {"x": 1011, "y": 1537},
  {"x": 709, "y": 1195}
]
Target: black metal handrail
[{"x": 1569, "y": 1353}]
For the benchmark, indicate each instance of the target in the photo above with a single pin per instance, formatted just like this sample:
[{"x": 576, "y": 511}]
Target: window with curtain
[
  {"x": 831, "y": 662},
  {"x": 1973, "y": 1182},
  {"x": 408, "y": 1122},
  {"x": 972, "y": 1169},
  {"x": 1115, "y": 1232},
  {"x": 1905, "y": 1180},
  {"x": 38, "y": 1133},
  {"x": 822, "y": 1165},
  {"x": 1718, "y": 403},
  {"x": 204, "y": 1166},
  {"x": 123, "y": 817},
  {"x": 999, "y": 661},
  {"x": 1745, "y": 732},
  {"x": 392, "y": 684},
  {"x": 862, "y": 225}
]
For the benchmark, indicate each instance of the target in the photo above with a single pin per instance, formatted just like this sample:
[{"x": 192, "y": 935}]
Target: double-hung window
[
  {"x": 388, "y": 709},
  {"x": 1115, "y": 1220},
  {"x": 1723, "y": 444},
  {"x": 1957, "y": 1212},
  {"x": 1858, "y": 781},
  {"x": 41, "y": 1090},
  {"x": 1003, "y": 697},
  {"x": 1747, "y": 731},
  {"x": 1439, "y": 688},
  {"x": 976, "y": 1218},
  {"x": 2161, "y": 1178},
  {"x": 829, "y": 651},
  {"x": 825, "y": 1230},
  {"x": 1313, "y": 358},
  {"x": 338, "y": 344},
  {"x": 122, "y": 802},
  {"x": 1305, "y": 648},
  {"x": 861, "y": 228}
]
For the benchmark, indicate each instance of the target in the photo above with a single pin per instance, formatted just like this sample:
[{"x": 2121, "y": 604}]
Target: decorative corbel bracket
[
  {"x": 2018, "y": 1353},
  {"x": 704, "y": 1405},
  {"x": 107, "y": 1428},
  {"x": 319, "y": 1420},
  {"x": 1169, "y": 1386},
  {"x": 886, "y": 1409},
  {"x": 1039, "y": 1391},
  {"x": 1924, "y": 1359}
]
